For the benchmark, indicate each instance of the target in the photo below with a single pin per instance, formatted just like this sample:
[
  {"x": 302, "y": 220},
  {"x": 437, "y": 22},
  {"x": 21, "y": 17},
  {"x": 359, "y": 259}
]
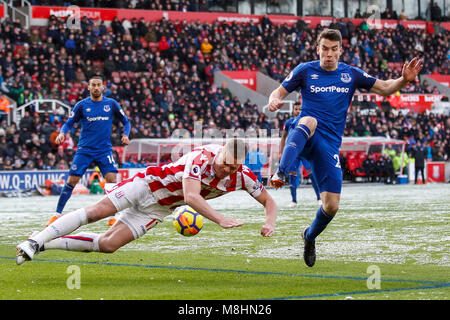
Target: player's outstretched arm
[
  {"x": 409, "y": 73},
  {"x": 192, "y": 197},
  {"x": 268, "y": 229},
  {"x": 75, "y": 116},
  {"x": 276, "y": 98}
]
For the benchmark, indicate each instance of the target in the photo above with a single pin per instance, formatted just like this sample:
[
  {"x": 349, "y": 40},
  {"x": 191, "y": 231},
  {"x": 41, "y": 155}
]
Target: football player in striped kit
[{"x": 144, "y": 200}]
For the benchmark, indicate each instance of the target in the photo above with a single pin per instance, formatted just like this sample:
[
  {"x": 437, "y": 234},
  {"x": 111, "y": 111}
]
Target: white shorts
[{"x": 137, "y": 207}]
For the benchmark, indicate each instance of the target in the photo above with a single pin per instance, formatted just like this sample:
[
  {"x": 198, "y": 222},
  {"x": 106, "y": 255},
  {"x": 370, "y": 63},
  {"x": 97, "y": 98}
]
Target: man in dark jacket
[{"x": 419, "y": 164}]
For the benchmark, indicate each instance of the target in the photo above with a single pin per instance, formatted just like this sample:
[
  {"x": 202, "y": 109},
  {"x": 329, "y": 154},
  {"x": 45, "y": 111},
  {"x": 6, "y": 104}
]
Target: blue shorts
[
  {"x": 84, "y": 158},
  {"x": 323, "y": 156}
]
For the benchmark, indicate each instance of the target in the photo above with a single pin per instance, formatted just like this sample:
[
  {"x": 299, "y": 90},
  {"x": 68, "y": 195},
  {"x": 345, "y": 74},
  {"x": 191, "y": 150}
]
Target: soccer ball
[{"x": 187, "y": 221}]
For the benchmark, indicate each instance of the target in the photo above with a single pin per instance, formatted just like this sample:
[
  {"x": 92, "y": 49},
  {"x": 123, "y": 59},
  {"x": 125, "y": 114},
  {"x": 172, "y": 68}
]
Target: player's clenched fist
[
  {"x": 125, "y": 140},
  {"x": 275, "y": 104},
  {"x": 60, "y": 138}
]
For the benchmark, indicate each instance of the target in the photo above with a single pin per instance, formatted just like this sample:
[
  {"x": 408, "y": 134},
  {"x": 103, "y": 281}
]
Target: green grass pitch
[{"x": 386, "y": 243}]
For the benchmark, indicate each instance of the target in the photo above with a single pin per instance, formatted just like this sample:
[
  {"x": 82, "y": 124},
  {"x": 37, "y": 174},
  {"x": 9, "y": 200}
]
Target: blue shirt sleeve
[
  {"x": 296, "y": 79},
  {"x": 362, "y": 79},
  {"x": 75, "y": 116},
  {"x": 123, "y": 118},
  {"x": 288, "y": 124}
]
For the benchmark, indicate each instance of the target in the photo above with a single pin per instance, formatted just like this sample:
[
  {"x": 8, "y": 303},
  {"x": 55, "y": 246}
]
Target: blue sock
[
  {"x": 295, "y": 143},
  {"x": 293, "y": 187},
  {"x": 66, "y": 192},
  {"x": 318, "y": 225},
  {"x": 315, "y": 185}
]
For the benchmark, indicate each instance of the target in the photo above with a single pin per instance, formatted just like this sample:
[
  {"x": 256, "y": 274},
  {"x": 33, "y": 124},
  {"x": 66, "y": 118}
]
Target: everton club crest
[{"x": 345, "y": 77}]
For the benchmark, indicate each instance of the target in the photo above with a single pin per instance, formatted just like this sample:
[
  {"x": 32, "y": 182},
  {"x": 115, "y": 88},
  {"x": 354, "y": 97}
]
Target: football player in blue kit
[
  {"x": 327, "y": 87},
  {"x": 95, "y": 114},
  {"x": 294, "y": 173}
]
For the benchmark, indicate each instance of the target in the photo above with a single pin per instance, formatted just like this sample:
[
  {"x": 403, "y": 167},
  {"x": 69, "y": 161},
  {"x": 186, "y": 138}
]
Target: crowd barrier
[{"x": 30, "y": 180}]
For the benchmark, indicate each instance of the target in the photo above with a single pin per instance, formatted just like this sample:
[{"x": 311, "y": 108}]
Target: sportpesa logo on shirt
[
  {"x": 97, "y": 118},
  {"x": 316, "y": 89}
]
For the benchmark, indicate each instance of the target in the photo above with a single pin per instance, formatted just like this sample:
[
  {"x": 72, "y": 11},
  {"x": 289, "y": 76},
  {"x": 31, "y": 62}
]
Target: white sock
[
  {"x": 64, "y": 225},
  {"x": 82, "y": 242}
]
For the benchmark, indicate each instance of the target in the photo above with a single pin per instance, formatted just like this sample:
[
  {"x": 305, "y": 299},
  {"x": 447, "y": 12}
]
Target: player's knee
[
  {"x": 107, "y": 245},
  {"x": 310, "y": 122},
  {"x": 73, "y": 180},
  {"x": 111, "y": 177},
  {"x": 331, "y": 208}
]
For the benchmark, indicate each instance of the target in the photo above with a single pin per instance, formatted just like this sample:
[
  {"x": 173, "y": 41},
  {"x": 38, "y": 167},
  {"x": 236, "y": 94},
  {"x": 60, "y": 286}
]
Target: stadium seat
[
  {"x": 354, "y": 165},
  {"x": 377, "y": 156},
  {"x": 361, "y": 157}
]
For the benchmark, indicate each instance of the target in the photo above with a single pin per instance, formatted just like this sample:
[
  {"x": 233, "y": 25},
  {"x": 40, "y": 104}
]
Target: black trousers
[{"x": 421, "y": 169}]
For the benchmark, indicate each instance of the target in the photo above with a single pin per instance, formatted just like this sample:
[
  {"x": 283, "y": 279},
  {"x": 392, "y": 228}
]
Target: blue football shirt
[
  {"x": 289, "y": 123},
  {"x": 96, "y": 118},
  {"x": 326, "y": 95}
]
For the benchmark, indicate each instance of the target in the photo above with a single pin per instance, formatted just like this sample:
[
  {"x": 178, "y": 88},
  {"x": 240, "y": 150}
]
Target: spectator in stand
[
  {"x": 387, "y": 14},
  {"x": 8, "y": 164},
  {"x": 436, "y": 12},
  {"x": 206, "y": 47},
  {"x": 255, "y": 160},
  {"x": 403, "y": 16},
  {"x": 163, "y": 47},
  {"x": 381, "y": 169},
  {"x": 369, "y": 167}
]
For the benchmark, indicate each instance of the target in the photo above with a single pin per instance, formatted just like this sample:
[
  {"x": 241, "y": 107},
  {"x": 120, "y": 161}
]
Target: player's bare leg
[
  {"x": 111, "y": 179},
  {"x": 116, "y": 237},
  {"x": 330, "y": 205},
  {"x": 65, "y": 225}
]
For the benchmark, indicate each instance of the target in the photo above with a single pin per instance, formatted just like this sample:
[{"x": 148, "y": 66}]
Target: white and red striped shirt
[{"x": 166, "y": 182}]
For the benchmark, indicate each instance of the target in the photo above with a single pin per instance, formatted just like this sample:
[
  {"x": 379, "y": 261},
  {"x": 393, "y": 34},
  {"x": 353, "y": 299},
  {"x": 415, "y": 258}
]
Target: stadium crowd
[{"x": 162, "y": 75}]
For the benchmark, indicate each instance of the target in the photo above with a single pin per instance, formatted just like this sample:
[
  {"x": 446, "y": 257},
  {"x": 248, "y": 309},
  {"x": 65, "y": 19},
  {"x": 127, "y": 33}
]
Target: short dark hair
[
  {"x": 96, "y": 77},
  {"x": 330, "y": 34}
]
